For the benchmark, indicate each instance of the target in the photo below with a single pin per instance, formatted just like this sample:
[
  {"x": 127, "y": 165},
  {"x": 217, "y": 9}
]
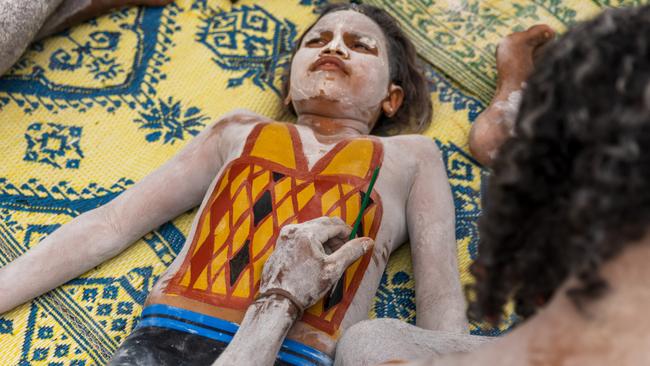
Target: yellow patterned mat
[
  {"x": 88, "y": 112},
  {"x": 460, "y": 36}
]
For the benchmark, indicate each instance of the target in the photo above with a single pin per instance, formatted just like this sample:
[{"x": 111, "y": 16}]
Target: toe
[{"x": 539, "y": 34}]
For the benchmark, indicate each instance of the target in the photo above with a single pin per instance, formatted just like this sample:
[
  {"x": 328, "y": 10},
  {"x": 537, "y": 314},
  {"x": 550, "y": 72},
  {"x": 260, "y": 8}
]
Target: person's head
[
  {"x": 571, "y": 189},
  {"x": 355, "y": 62}
]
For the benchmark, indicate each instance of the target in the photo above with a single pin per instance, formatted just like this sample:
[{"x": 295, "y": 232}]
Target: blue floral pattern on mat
[
  {"x": 168, "y": 120},
  {"x": 54, "y": 144},
  {"x": 395, "y": 297},
  {"x": 114, "y": 79},
  {"x": 251, "y": 41}
]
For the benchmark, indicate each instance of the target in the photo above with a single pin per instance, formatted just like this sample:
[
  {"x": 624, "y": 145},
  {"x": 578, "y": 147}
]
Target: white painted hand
[{"x": 302, "y": 269}]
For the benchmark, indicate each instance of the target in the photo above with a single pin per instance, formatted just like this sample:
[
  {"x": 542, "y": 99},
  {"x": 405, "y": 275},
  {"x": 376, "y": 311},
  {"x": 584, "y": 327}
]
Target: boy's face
[{"x": 341, "y": 67}]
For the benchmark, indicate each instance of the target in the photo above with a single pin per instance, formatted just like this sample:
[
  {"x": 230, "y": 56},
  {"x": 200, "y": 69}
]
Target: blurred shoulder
[
  {"x": 418, "y": 147},
  {"x": 238, "y": 121}
]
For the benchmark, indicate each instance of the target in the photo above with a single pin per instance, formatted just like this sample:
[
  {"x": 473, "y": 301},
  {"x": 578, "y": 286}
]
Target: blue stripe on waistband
[
  {"x": 160, "y": 309},
  {"x": 223, "y": 331}
]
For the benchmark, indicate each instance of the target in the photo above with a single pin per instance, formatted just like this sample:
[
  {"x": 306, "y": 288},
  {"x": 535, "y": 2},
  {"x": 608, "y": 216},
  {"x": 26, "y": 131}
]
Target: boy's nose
[{"x": 335, "y": 48}]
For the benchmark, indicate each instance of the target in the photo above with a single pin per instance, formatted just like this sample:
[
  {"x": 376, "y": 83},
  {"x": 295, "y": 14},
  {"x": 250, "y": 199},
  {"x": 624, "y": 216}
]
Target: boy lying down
[{"x": 353, "y": 70}]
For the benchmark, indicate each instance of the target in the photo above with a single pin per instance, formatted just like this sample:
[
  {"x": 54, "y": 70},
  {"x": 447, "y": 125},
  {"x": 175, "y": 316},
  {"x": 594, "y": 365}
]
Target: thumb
[{"x": 349, "y": 252}]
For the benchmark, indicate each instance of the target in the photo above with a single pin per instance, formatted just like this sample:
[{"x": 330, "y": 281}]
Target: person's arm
[
  {"x": 20, "y": 20},
  {"x": 261, "y": 332},
  {"x": 297, "y": 274},
  {"x": 430, "y": 216},
  {"x": 72, "y": 12},
  {"x": 104, "y": 232}
]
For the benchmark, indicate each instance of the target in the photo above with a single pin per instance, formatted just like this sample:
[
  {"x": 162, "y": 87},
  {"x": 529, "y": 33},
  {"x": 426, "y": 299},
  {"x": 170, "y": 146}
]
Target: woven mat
[
  {"x": 87, "y": 113},
  {"x": 460, "y": 36}
]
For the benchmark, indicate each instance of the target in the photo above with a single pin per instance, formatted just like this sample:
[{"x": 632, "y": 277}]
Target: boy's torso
[{"x": 275, "y": 175}]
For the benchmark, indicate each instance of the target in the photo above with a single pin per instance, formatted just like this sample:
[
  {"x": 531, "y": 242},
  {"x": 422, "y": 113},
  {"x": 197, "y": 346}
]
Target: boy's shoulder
[
  {"x": 240, "y": 117},
  {"x": 417, "y": 146},
  {"x": 237, "y": 124}
]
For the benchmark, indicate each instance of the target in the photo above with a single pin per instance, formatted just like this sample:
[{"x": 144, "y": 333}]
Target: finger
[
  {"x": 334, "y": 244},
  {"x": 329, "y": 228},
  {"x": 350, "y": 252},
  {"x": 326, "y": 238},
  {"x": 335, "y": 220},
  {"x": 288, "y": 230},
  {"x": 326, "y": 220},
  {"x": 341, "y": 232}
]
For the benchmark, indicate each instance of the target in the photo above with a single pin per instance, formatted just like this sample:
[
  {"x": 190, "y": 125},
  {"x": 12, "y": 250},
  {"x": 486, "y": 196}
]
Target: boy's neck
[{"x": 331, "y": 129}]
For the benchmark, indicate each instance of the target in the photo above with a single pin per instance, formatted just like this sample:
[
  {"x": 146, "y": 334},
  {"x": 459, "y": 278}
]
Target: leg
[
  {"x": 515, "y": 61},
  {"x": 73, "y": 12},
  {"x": 20, "y": 20},
  {"x": 372, "y": 342}
]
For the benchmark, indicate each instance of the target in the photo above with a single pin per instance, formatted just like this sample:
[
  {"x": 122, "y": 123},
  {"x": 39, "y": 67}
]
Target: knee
[
  {"x": 361, "y": 343},
  {"x": 370, "y": 329}
]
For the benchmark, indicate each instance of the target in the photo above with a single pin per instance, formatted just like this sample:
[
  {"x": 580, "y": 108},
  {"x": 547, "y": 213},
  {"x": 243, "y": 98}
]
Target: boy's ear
[
  {"x": 287, "y": 99},
  {"x": 393, "y": 101}
]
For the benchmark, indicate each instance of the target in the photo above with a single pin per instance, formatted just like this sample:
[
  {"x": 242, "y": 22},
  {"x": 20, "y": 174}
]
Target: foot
[
  {"x": 516, "y": 56},
  {"x": 517, "y": 53}
]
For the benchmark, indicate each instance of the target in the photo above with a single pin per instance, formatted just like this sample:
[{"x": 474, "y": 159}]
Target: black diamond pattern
[
  {"x": 335, "y": 296},
  {"x": 262, "y": 207},
  {"x": 238, "y": 263},
  {"x": 370, "y": 201},
  {"x": 277, "y": 176}
]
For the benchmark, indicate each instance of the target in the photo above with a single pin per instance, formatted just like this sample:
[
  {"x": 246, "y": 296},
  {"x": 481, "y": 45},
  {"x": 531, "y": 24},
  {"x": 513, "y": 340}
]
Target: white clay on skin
[
  {"x": 510, "y": 108},
  {"x": 361, "y": 90}
]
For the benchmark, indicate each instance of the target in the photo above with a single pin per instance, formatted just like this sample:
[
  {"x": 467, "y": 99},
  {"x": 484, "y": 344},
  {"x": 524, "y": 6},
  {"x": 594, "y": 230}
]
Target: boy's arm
[
  {"x": 104, "y": 232},
  {"x": 430, "y": 217}
]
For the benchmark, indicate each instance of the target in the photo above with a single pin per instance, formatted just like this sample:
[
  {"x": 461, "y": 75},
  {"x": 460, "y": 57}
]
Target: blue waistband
[{"x": 165, "y": 316}]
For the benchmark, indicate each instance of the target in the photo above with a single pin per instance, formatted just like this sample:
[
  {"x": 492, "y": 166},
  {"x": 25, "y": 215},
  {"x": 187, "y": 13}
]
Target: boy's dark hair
[
  {"x": 415, "y": 113},
  {"x": 571, "y": 190}
]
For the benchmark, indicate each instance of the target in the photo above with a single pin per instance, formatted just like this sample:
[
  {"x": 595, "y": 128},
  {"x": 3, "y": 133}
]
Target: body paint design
[{"x": 268, "y": 187}]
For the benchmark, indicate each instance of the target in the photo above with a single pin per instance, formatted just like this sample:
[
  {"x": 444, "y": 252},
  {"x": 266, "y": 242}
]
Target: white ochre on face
[{"x": 347, "y": 35}]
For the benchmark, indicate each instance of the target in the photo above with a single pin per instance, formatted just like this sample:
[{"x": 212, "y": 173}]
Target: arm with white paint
[
  {"x": 297, "y": 274},
  {"x": 100, "y": 234},
  {"x": 430, "y": 216}
]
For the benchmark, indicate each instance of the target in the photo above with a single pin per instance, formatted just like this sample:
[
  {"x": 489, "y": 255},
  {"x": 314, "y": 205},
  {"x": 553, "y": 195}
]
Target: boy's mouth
[{"x": 329, "y": 63}]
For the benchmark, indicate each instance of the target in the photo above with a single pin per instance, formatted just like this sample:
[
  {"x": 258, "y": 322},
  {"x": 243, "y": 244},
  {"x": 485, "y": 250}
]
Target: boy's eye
[
  {"x": 361, "y": 46},
  {"x": 315, "y": 42}
]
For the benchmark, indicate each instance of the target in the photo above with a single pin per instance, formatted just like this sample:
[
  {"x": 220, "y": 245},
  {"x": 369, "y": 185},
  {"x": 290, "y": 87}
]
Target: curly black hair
[
  {"x": 571, "y": 190},
  {"x": 416, "y": 110}
]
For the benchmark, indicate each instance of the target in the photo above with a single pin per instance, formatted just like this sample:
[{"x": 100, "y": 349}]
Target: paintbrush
[{"x": 357, "y": 222}]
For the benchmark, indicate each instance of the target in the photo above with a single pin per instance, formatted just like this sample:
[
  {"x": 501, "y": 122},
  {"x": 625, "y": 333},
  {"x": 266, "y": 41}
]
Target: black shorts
[{"x": 169, "y": 336}]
